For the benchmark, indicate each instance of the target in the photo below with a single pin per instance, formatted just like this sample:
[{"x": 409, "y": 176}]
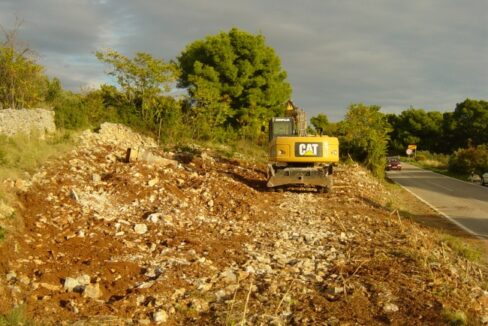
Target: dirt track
[{"x": 193, "y": 238}]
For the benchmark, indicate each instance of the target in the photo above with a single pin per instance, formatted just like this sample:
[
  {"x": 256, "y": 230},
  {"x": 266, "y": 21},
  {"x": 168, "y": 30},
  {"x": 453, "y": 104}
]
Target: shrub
[
  {"x": 467, "y": 160},
  {"x": 434, "y": 160},
  {"x": 70, "y": 112}
]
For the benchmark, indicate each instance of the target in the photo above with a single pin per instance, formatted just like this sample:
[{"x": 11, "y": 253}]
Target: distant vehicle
[
  {"x": 393, "y": 163},
  {"x": 484, "y": 179}
]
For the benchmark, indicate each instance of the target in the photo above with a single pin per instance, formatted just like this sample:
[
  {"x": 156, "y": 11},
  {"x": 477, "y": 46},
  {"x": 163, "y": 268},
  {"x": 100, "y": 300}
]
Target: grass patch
[
  {"x": 462, "y": 249},
  {"x": 22, "y": 154},
  {"x": 242, "y": 149},
  {"x": 455, "y": 318},
  {"x": 16, "y": 317},
  {"x": 3, "y": 233},
  {"x": 26, "y": 152}
]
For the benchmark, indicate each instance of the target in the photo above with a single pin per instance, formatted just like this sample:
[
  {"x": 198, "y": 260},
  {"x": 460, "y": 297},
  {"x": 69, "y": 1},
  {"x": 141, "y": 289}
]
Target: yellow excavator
[{"x": 297, "y": 159}]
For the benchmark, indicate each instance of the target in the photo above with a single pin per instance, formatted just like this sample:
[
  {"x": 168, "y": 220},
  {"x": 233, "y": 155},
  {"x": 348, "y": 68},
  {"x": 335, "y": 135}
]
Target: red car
[{"x": 393, "y": 163}]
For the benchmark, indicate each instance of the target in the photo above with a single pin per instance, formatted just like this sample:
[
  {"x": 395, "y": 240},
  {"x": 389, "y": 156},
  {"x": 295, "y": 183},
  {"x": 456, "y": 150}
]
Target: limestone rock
[
  {"x": 390, "y": 307},
  {"x": 140, "y": 228},
  {"x": 160, "y": 316},
  {"x": 153, "y": 182},
  {"x": 92, "y": 291}
]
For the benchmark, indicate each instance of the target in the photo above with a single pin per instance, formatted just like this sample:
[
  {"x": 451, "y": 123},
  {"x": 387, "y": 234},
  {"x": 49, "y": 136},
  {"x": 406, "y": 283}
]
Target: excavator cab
[
  {"x": 297, "y": 159},
  {"x": 281, "y": 127}
]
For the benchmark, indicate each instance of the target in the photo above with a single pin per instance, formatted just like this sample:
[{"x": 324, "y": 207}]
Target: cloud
[{"x": 429, "y": 54}]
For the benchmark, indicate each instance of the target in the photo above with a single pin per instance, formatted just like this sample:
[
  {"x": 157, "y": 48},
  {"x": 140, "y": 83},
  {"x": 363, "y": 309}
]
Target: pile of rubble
[{"x": 193, "y": 238}]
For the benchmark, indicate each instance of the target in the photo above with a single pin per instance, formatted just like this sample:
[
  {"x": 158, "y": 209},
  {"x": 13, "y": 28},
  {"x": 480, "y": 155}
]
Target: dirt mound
[{"x": 192, "y": 238}]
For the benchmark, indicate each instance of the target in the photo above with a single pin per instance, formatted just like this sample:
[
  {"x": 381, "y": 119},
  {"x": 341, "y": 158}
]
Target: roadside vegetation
[{"x": 461, "y": 164}]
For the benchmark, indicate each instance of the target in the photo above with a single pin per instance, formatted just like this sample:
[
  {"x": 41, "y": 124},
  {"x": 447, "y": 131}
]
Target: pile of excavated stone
[{"x": 154, "y": 237}]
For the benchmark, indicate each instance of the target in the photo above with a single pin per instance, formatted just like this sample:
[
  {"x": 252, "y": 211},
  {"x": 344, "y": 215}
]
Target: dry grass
[{"x": 21, "y": 155}]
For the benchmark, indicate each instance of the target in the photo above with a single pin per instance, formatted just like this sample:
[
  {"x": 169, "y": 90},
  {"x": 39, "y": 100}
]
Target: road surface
[{"x": 464, "y": 203}]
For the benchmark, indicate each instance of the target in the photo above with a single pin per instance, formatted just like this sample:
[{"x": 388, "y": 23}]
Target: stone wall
[{"x": 13, "y": 122}]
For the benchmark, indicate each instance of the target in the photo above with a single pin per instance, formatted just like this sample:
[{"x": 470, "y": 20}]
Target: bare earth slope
[{"x": 191, "y": 238}]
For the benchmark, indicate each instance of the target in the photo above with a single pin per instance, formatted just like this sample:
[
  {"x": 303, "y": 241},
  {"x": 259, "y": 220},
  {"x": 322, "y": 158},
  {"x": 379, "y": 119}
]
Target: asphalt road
[{"x": 464, "y": 203}]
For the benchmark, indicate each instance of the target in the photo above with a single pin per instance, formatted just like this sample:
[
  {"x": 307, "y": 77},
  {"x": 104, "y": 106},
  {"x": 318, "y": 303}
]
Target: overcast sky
[{"x": 427, "y": 54}]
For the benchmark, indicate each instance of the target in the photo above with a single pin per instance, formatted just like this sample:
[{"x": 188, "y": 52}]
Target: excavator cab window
[{"x": 281, "y": 127}]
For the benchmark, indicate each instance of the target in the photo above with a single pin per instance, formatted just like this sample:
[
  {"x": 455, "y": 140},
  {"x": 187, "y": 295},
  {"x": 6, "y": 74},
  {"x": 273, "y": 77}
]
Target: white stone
[
  {"x": 154, "y": 217},
  {"x": 390, "y": 307},
  {"x": 92, "y": 291},
  {"x": 160, "y": 316},
  {"x": 12, "y": 275},
  {"x": 228, "y": 276},
  {"x": 140, "y": 228},
  {"x": 153, "y": 182},
  {"x": 83, "y": 279},
  {"x": 70, "y": 283}
]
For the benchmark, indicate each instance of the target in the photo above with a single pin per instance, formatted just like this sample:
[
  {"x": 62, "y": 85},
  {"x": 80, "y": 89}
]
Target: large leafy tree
[
  {"x": 417, "y": 126},
  {"x": 234, "y": 79},
  {"x": 322, "y": 124},
  {"x": 365, "y": 136},
  {"x": 143, "y": 79},
  {"x": 22, "y": 81},
  {"x": 467, "y": 125}
]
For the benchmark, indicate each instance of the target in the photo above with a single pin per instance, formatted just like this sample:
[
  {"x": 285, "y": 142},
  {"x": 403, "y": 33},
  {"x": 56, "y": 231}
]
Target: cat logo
[{"x": 308, "y": 149}]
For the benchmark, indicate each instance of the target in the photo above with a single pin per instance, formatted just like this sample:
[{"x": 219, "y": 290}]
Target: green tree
[
  {"x": 143, "y": 79},
  {"x": 416, "y": 126},
  {"x": 22, "y": 82},
  {"x": 468, "y": 124},
  {"x": 53, "y": 90},
  {"x": 364, "y": 136},
  {"x": 321, "y": 123},
  {"x": 234, "y": 79}
]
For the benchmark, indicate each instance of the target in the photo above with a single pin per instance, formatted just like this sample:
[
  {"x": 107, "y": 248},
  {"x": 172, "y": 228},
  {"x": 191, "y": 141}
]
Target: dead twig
[
  {"x": 360, "y": 265},
  {"x": 243, "y": 322},
  {"x": 283, "y": 298},
  {"x": 232, "y": 303}
]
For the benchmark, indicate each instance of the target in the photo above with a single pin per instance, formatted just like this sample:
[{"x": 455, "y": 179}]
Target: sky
[{"x": 397, "y": 54}]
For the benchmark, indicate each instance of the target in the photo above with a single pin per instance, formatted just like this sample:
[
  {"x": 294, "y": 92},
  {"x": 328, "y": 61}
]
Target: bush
[
  {"x": 468, "y": 160},
  {"x": 434, "y": 160},
  {"x": 70, "y": 112},
  {"x": 364, "y": 137}
]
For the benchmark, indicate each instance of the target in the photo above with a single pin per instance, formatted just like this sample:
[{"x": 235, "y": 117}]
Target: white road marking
[{"x": 466, "y": 229}]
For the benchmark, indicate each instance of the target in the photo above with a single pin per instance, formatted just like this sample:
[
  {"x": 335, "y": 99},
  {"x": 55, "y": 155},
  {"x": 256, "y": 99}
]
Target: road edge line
[{"x": 450, "y": 219}]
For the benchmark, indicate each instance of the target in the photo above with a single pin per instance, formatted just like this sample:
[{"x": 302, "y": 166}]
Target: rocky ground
[{"x": 180, "y": 238}]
